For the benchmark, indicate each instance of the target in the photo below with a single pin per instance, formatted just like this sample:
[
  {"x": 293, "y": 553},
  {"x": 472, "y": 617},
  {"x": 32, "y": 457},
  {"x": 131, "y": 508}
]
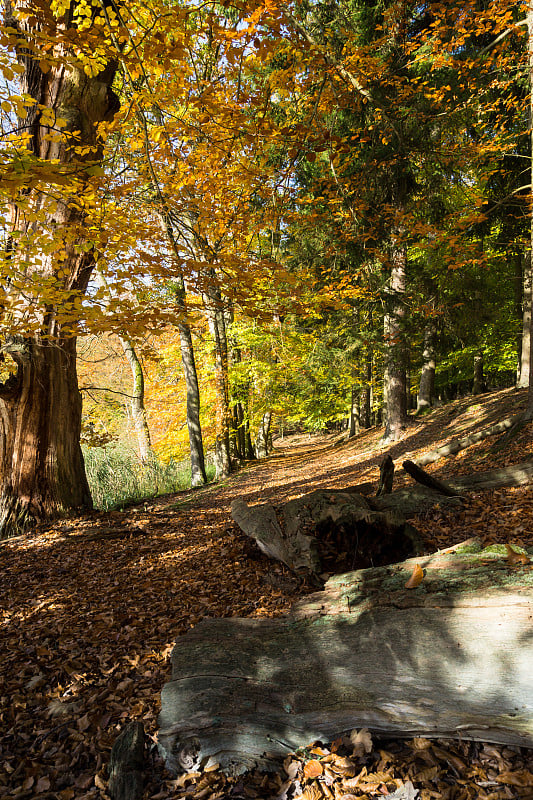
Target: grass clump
[{"x": 118, "y": 478}]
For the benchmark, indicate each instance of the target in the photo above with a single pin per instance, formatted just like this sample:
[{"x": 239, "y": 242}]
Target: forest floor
[{"x": 91, "y": 608}]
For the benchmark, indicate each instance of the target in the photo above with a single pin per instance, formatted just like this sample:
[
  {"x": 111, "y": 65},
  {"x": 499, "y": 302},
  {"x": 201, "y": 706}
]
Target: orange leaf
[
  {"x": 416, "y": 578},
  {"x": 516, "y": 558},
  {"x": 313, "y": 769}
]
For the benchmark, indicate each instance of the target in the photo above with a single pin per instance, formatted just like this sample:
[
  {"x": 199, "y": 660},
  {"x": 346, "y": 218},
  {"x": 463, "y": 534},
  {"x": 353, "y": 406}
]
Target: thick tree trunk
[
  {"x": 450, "y": 658},
  {"x": 42, "y": 465},
  {"x": 43, "y": 473},
  {"x": 427, "y": 377},
  {"x": 395, "y": 389},
  {"x": 138, "y": 411}
]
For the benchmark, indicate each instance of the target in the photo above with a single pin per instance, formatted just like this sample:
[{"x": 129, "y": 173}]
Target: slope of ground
[{"x": 91, "y": 608}]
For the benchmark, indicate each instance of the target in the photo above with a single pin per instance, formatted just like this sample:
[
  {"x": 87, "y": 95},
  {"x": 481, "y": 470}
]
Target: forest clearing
[{"x": 92, "y": 606}]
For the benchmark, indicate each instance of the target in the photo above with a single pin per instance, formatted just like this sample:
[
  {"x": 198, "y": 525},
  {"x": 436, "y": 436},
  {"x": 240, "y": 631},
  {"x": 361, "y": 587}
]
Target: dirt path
[{"x": 91, "y": 607}]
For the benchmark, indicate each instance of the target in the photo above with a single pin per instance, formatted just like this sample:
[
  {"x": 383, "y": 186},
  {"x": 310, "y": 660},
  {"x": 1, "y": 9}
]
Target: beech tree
[{"x": 48, "y": 261}]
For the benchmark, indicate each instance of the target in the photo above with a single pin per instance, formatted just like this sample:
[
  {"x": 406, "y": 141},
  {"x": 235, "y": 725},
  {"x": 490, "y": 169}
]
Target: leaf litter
[{"x": 91, "y": 606}]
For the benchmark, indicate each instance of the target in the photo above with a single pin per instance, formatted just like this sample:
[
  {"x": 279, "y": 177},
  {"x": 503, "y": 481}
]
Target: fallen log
[
  {"x": 327, "y": 531},
  {"x": 451, "y": 658},
  {"x": 514, "y": 475},
  {"x": 456, "y": 445},
  {"x": 420, "y": 499}
]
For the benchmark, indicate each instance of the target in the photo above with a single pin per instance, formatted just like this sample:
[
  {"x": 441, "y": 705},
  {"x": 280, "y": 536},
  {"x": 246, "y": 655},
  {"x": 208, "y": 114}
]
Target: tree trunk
[
  {"x": 366, "y": 392},
  {"x": 479, "y": 382},
  {"x": 196, "y": 445},
  {"x": 395, "y": 389},
  {"x": 250, "y": 452},
  {"x": 354, "y": 413},
  {"x": 416, "y": 500},
  {"x": 529, "y": 410},
  {"x": 261, "y": 442},
  {"x": 138, "y": 411},
  {"x": 43, "y": 472},
  {"x": 217, "y": 327},
  {"x": 450, "y": 658},
  {"x": 239, "y": 428},
  {"x": 524, "y": 344},
  {"x": 427, "y": 378}
]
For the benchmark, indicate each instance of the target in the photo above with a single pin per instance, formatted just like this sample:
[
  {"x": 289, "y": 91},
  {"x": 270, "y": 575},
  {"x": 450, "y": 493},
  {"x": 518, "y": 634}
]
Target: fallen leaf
[
  {"x": 522, "y": 777},
  {"x": 417, "y": 576},
  {"x": 313, "y": 769},
  {"x": 513, "y": 557},
  {"x": 361, "y": 741},
  {"x": 43, "y": 784}
]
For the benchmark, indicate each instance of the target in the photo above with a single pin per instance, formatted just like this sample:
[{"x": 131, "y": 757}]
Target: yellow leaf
[{"x": 416, "y": 578}]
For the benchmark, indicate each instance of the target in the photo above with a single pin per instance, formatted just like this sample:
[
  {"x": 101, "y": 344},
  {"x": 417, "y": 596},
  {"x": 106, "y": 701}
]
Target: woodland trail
[{"x": 91, "y": 606}]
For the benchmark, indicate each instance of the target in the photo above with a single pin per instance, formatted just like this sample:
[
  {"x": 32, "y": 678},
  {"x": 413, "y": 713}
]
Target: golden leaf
[
  {"x": 313, "y": 769},
  {"x": 417, "y": 576},
  {"x": 513, "y": 557}
]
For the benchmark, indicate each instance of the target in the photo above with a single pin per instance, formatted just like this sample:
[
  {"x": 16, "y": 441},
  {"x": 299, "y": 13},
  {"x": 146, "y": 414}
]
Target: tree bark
[
  {"x": 420, "y": 499},
  {"x": 426, "y": 479},
  {"x": 354, "y": 413},
  {"x": 43, "y": 472},
  {"x": 42, "y": 466},
  {"x": 525, "y": 337},
  {"x": 138, "y": 411},
  {"x": 426, "y": 390},
  {"x": 450, "y": 658},
  {"x": 395, "y": 390},
  {"x": 456, "y": 445},
  {"x": 127, "y": 763},
  {"x": 217, "y": 327},
  {"x": 262, "y": 439},
  {"x": 479, "y": 380},
  {"x": 196, "y": 445}
]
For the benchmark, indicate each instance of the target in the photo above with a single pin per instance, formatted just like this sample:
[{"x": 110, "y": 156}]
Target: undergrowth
[{"x": 117, "y": 477}]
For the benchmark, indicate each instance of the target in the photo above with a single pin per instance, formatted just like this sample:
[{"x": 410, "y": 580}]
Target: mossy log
[{"x": 449, "y": 658}]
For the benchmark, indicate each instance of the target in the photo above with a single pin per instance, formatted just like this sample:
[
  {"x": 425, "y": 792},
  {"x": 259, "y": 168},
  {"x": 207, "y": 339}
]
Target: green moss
[{"x": 474, "y": 547}]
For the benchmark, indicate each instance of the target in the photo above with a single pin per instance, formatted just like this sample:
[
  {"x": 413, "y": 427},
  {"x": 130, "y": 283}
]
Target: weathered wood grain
[
  {"x": 451, "y": 658},
  {"x": 294, "y": 532}
]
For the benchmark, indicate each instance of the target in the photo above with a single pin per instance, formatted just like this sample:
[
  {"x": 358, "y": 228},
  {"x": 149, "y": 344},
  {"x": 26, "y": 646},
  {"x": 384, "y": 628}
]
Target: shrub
[{"x": 117, "y": 477}]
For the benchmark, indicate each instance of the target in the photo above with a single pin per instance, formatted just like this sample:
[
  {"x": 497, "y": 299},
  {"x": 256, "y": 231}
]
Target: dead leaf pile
[
  {"x": 418, "y": 769},
  {"x": 90, "y": 609}
]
